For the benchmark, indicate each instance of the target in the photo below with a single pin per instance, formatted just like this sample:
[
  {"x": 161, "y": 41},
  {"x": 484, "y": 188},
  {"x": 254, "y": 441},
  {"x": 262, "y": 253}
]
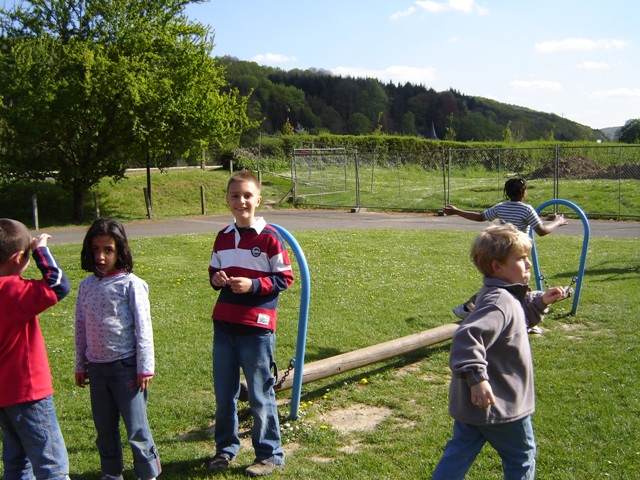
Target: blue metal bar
[
  {"x": 303, "y": 319},
  {"x": 583, "y": 256}
]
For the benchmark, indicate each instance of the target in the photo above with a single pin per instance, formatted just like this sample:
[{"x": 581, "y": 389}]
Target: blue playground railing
[
  {"x": 583, "y": 256},
  {"x": 303, "y": 319}
]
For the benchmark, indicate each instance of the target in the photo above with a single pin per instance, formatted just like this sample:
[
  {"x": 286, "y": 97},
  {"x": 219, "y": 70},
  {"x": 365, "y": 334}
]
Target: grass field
[{"x": 370, "y": 286}]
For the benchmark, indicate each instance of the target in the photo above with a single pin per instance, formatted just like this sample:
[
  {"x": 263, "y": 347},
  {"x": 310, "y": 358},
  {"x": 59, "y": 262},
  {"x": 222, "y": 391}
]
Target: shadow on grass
[{"x": 611, "y": 273}]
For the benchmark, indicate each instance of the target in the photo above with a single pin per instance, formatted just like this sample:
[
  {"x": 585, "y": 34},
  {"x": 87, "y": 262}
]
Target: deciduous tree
[
  {"x": 88, "y": 85},
  {"x": 630, "y": 132}
]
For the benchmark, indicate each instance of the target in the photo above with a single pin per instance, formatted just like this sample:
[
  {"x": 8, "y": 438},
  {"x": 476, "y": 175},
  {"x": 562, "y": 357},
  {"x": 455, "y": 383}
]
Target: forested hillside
[{"x": 316, "y": 101}]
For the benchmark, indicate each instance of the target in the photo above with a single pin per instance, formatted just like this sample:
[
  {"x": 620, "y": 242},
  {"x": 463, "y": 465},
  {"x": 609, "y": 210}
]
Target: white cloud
[
  {"x": 536, "y": 85},
  {"x": 453, "y": 39},
  {"x": 588, "y": 65},
  {"x": 273, "y": 58},
  {"x": 406, "y": 13},
  {"x": 464, "y": 6},
  {"x": 396, "y": 74},
  {"x": 617, "y": 94},
  {"x": 551, "y": 46}
]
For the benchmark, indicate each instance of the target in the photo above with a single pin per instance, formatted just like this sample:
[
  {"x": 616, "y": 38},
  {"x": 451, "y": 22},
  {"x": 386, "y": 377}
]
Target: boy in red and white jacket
[{"x": 250, "y": 266}]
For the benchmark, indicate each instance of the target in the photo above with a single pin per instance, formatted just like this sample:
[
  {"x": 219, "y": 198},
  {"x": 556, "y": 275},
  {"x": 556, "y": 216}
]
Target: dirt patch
[
  {"x": 407, "y": 369},
  {"x": 358, "y": 417},
  {"x": 583, "y": 168}
]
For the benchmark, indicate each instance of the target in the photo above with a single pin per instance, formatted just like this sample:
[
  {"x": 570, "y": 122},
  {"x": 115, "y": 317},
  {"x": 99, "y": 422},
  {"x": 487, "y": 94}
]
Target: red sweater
[
  {"x": 259, "y": 254},
  {"x": 24, "y": 367}
]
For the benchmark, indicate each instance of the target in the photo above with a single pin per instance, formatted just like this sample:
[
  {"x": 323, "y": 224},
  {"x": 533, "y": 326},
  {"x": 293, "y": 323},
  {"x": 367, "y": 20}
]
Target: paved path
[{"x": 296, "y": 219}]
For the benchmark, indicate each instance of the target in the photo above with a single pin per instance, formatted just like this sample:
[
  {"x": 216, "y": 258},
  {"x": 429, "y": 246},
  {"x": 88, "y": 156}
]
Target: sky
[{"x": 579, "y": 59}]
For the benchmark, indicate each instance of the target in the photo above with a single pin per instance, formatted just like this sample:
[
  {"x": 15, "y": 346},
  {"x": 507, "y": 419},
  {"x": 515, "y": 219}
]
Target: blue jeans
[
  {"x": 32, "y": 443},
  {"x": 513, "y": 441},
  {"x": 114, "y": 393},
  {"x": 254, "y": 354}
]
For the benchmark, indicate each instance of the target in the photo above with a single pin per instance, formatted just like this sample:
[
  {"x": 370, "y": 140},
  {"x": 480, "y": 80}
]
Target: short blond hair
[{"x": 497, "y": 242}]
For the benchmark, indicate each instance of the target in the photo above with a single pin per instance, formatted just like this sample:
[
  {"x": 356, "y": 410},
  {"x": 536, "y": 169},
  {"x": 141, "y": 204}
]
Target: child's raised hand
[
  {"x": 449, "y": 210},
  {"x": 40, "y": 241},
  {"x": 554, "y": 294}
]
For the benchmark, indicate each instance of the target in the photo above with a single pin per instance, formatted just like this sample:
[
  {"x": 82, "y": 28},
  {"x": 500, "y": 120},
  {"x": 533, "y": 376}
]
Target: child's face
[
  {"x": 515, "y": 269},
  {"x": 105, "y": 254},
  {"x": 243, "y": 198}
]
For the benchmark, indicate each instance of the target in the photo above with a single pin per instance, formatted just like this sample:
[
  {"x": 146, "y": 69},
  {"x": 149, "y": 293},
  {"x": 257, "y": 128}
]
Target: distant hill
[
  {"x": 316, "y": 101},
  {"x": 610, "y": 132}
]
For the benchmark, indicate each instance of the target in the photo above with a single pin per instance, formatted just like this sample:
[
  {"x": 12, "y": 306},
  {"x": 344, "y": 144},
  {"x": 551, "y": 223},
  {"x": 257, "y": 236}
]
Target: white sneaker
[
  {"x": 461, "y": 312},
  {"x": 535, "y": 330}
]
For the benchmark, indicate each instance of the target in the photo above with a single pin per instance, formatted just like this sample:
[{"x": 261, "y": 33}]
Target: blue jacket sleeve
[{"x": 51, "y": 272}]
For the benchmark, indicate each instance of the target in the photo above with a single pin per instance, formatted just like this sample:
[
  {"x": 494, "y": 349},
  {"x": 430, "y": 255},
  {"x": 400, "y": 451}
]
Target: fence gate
[{"x": 323, "y": 176}]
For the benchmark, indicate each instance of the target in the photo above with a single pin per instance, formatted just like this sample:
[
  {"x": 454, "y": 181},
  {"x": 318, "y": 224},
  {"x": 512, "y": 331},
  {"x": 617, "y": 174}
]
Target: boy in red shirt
[{"x": 32, "y": 443}]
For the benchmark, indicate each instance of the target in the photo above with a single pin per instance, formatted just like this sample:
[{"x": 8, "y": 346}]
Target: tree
[
  {"x": 88, "y": 86},
  {"x": 359, "y": 124},
  {"x": 630, "y": 132},
  {"x": 408, "y": 125}
]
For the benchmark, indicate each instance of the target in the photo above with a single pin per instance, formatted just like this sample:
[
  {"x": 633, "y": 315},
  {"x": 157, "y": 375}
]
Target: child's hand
[
  {"x": 482, "y": 395},
  {"x": 449, "y": 210},
  {"x": 554, "y": 294},
  {"x": 219, "y": 279},
  {"x": 240, "y": 285},
  {"x": 40, "y": 241},
  {"x": 82, "y": 379},
  {"x": 144, "y": 381},
  {"x": 561, "y": 220}
]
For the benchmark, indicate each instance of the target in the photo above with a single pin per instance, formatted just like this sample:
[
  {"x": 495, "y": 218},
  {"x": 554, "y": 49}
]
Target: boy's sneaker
[
  {"x": 461, "y": 312},
  {"x": 536, "y": 330},
  {"x": 220, "y": 462},
  {"x": 260, "y": 468}
]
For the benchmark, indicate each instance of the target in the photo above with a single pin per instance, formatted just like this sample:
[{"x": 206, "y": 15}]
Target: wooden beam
[{"x": 345, "y": 362}]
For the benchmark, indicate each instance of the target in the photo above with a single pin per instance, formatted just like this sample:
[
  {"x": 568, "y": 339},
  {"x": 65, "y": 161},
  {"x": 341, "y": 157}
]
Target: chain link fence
[{"x": 602, "y": 180}]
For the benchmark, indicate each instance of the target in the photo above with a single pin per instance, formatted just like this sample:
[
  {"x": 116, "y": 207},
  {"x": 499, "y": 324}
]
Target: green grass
[
  {"x": 175, "y": 193},
  {"x": 411, "y": 187},
  {"x": 370, "y": 286}
]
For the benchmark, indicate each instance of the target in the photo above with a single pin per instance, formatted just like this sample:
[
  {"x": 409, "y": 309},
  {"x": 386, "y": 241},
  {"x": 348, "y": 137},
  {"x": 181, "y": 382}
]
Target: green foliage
[
  {"x": 316, "y": 101},
  {"x": 630, "y": 132},
  {"x": 90, "y": 87}
]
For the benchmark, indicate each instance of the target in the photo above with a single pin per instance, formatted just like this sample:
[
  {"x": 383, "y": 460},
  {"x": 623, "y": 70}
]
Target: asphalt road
[{"x": 296, "y": 219}]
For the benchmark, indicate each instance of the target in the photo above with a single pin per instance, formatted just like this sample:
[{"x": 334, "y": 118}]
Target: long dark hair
[{"x": 115, "y": 230}]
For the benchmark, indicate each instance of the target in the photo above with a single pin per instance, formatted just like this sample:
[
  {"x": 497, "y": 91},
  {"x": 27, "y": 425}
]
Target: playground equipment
[
  {"x": 303, "y": 318},
  {"x": 366, "y": 356},
  {"x": 347, "y": 361},
  {"x": 583, "y": 257}
]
